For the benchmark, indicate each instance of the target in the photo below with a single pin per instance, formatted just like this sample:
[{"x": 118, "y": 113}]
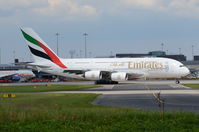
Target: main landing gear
[
  {"x": 177, "y": 81},
  {"x": 105, "y": 82}
]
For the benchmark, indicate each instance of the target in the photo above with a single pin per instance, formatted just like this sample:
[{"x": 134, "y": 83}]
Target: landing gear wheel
[
  {"x": 177, "y": 81},
  {"x": 105, "y": 82}
]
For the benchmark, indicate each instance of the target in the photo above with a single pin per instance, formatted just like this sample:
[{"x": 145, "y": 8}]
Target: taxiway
[{"x": 142, "y": 94}]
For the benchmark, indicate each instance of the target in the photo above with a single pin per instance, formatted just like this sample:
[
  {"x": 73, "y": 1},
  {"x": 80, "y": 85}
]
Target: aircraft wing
[
  {"x": 75, "y": 71},
  {"x": 136, "y": 74}
]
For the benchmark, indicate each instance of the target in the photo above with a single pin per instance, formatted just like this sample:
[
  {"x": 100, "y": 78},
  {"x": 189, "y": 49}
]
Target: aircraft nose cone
[{"x": 185, "y": 71}]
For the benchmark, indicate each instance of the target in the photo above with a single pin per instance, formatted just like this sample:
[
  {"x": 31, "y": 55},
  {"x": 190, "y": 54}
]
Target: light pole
[
  {"x": 80, "y": 53},
  {"x": 90, "y": 54},
  {"x": 57, "y": 34},
  {"x": 162, "y": 45},
  {"x": 72, "y": 53},
  {"x": 192, "y": 47},
  {"x": 85, "y": 34},
  {"x": 14, "y": 54},
  {"x": 0, "y": 55}
]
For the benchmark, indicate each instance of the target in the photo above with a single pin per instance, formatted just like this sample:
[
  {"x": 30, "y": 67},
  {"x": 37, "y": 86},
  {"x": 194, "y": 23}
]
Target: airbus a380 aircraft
[{"x": 101, "y": 70}]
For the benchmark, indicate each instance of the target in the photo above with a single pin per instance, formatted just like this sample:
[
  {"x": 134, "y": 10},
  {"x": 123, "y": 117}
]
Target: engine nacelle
[
  {"x": 119, "y": 76},
  {"x": 93, "y": 75}
]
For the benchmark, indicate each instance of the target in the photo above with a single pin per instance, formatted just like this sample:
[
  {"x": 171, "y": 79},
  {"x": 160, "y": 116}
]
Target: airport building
[
  {"x": 154, "y": 54},
  {"x": 4, "y": 67},
  {"x": 196, "y": 58},
  {"x": 131, "y": 55}
]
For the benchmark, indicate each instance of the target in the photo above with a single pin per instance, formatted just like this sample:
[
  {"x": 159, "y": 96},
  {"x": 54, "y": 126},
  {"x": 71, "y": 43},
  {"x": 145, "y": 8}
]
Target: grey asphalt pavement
[
  {"x": 141, "y": 94},
  {"x": 176, "y": 97}
]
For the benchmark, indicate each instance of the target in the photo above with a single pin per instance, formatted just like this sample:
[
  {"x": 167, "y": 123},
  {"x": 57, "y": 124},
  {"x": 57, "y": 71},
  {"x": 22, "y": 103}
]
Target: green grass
[
  {"x": 43, "y": 88},
  {"x": 192, "y": 85},
  {"x": 73, "y": 112}
]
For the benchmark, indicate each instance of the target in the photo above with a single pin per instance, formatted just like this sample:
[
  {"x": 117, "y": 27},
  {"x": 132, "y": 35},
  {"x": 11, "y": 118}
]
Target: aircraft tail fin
[{"x": 39, "y": 49}]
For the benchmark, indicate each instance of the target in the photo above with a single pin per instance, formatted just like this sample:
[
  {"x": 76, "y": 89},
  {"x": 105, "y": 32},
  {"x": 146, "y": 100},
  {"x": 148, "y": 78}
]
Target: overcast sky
[{"x": 117, "y": 26}]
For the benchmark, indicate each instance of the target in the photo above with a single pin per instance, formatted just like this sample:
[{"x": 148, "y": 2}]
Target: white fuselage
[
  {"x": 111, "y": 69},
  {"x": 146, "y": 67}
]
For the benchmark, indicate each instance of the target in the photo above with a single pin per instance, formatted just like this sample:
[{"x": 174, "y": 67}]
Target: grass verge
[
  {"x": 191, "y": 85},
  {"x": 43, "y": 88},
  {"x": 73, "y": 112}
]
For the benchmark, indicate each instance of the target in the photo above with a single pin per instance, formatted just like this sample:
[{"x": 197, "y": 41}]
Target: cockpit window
[{"x": 182, "y": 66}]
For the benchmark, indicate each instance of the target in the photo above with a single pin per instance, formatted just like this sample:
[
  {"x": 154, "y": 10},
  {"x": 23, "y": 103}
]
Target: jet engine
[
  {"x": 93, "y": 75},
  {"x": 119, "y": 76}
]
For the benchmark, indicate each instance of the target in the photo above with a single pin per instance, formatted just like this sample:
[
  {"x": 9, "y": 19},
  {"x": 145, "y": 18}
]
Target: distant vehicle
[
  {"x": 16, "y": 75},
  {"x": 101, "y": 70}
]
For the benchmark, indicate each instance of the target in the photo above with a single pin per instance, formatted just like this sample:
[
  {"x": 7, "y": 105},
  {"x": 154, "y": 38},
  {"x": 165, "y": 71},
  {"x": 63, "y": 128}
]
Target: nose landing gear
[{"x": 177, "y": 81}]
